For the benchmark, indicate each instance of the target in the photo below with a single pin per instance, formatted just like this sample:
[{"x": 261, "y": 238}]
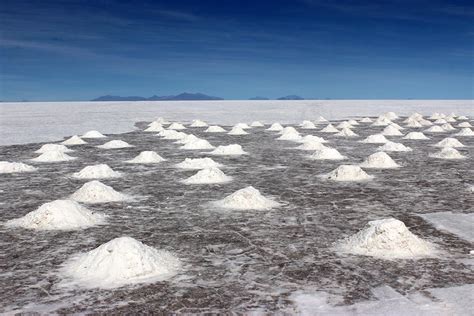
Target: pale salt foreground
[
  {"x": 449, "y": 142},
  {"x": 119, "y": 262},
  {"x": 379, "y": 160},
  {"x": 327, "y": 153},
  {"x": 347, "y": 173},
  {"x": 93, "y": 134},
  {"x": 15, "y": 167},
  {"x": 147, "y": 157},
  {"x": 247, "y": 198},
  {"x": 386, "y": 239},
  {"x": 101, "y": 171},
  {"x": 97, "y": 192},
  {"x": 53, "y": 156},
  {"x": 58, "y": 215},
  {"x": 208, "y": 176},
  {"x": 198, "y": 163},
  {"x": 447, "y": 153},
  {"x": 53, "y": 147},
  {"x": 115, "y": 144},
  {"x": 74, "y": 140},
  {"x": 228, "y": 150}
]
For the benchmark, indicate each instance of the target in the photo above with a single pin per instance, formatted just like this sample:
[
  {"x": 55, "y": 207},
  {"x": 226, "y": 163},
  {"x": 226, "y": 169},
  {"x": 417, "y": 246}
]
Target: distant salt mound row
[
  {"x": 465, "y": 132},
  {"x": 379, "y": 160},
  {"x": 176, "y": 126},
  {"x": 215, "y": 129},
  {"x": 236, "y": 130},
  {"x": 101, "y": 171},
  {"x": 119, "y": 262},
  {"x": 53, "y": 156},
  {"x": 147, "y": 157},
  {"x": 115, "y": 144},
  {"x": 275, "y": 127},
  {"x": 172, "y": 135},
  {"x": 375, "y": 139},
  {"x": 366, "y": 120},
  {"x": 248, "y": 198},
  {"x": 327, "y": 153},
  {"x": 464, "y": 124},
  {"x": 198, "y": 123},
  {"x": 97, "y": 192},
  {"x": 242, "y": 125},
  {"x": 344, "y": 124},
  {"x": 448, "y": 153},
  {"x": 312, "y": 138},
  {"x": 415, "y": 135},
  {"x": 311, "y": 145},
  {"x": 228, "y": 150},
  {"x": 329, "y": 129},
  {"x": 53, "y": 147},
  {"x": 392, "y": 146},
  {"x": 307, "y": 125},
  {"x": 346, "y": 132},
  {"x": 391, "y": 130},
  {"x": 74, "y": 140},
  {"x": 208, "y": 176},
  {"x": 93, "y": 134},
  {"x": 198, "y": 163},
  {"x": 155, "y": 127},
  {"x": 256, "y": 124},
  {"x": 15, "y": 167},
  {"x": 197, "y": 144},
  {"x": 320, "y": 120},
  {"x": 449, "y": 142},
  {"x": 58, "y": 215},
  {"x": 347, "y": 173},
  {"x": 435, "y": 129},
  {"x": 289, "y": 133},
  {"x": 386, "y": 239}
]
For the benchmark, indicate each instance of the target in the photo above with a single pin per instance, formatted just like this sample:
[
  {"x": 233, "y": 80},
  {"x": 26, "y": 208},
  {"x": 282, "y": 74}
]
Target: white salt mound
[
  {"x": 97, "y": 192},
  {"x": 465, "y": 132},
  {"x": 120, "y": 262},
  {"x": 146, "y": 157},
  {"x": 93, "y": 134},
  {"x": 415, "y": 135},
  {"x": 329, "y": 129},
  {"x": 387, "y": 239},
  {"x": 187, "y": 139},
  {"x": 15, "y": 167},
  {"x": 312, "y": 138},
  {"x": 447, "y": 153},
  {"x": 320, "y": 119},
  {"x": 414, "y": 124},
  {"x": 462, "y": 117},
  {"x": 392, "y": 146},
  {"x": 449, "y": 142},
  {"x": 375, "y": 139},
  {"x": 208, "y": 176},
  {"x": 311, "y": 145},
  {"x": 437, "y": 116},
  {"x": 171, "y": 134},
  {"x": 242, "y": 125},
  {"x": 197, "y": 144},
  {"x": 390, "y": 115},
  {"x": 53, "y": 156},
  {"x": 425, "y": 122},
  {"x": 198, "y": 123},
  {"x": 74, "y": 140},
  {"x": 256, "y": 124},
  {"x": 447, "y": 127},
  {"x": 160, "y": 120},
  {"x": 307, "y": 125},
  {"x": 366, "y": 120},
  {"x": 276, "y": 127},
  {"x": 198, "y": 163},
  {"x": 53, "y": 147},
  {"x": 379, "y": 160},
  {"x": 440, "y": 121},
  {"x": 464, "y": 124},
  {"x": 176, "y": 126},
  {"x": 353, "y": 122},
  {"x": 346, "y": 132},
  {"x": 289, "y": 133},
  {"x": 248, "y": 198},
  {"x": 391, "y": 130},
  {"x": 344, "y": 124},
  {"x": 228, "y": 150},
  {"x": 58, "y": 215},
  {"x": 101, "y": 171},
  {"x": 155, "y": 127},
  {"x": 435, "y": 129},
  {"x": 381, "y": 121},
  {"x": 236, "y": 130},
  {"x": 327, "y": 153},
  {"x": 347, "y": 173},
  {"x": 215, "y": 129},
  {"x": 115, "y": 144}
]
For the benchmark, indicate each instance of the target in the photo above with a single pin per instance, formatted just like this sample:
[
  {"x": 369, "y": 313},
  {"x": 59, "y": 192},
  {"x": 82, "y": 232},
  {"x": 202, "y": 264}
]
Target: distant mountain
[
  {"x": 259, "y": 98},
  {"x": 291, "y": 97},
  {"x": 183, "y": 96}
]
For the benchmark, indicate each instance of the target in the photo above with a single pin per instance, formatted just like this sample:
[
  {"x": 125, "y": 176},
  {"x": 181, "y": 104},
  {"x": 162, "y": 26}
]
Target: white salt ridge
[
  {"x": 101, "y": 171},
  {"x": 197, "y": 144},
  {"x": 440, "y": 121},
  {"x": 329, "y": 129},
  {"x": 189, "y": 138},
  {"x": 327, "y": 153},
  {"x": 276, "y": 127},
  {"x": 462, "y": 117},
  {"x": 414, "y": 116},
  {"x": 435, "y": 129},
  {"x": 15, "y": 167},
  {"x": 347, "y": 173},
  {"x": 236, "y": 130},
  {"x": 53, "y": 147},
  {"x": 311, "y": 145},
  {"x": 379, "y": 160},
  {"x": 256, "y": 124},
  {"x": 198, "y": 163},
  {"x": 344, "y": 124},
  {"x": 172, "y": 135},
  {"x": 381, "y": 121},
  {"x": 53, "y": 156},
  {"x": 353, "y": 122},
  {"x": 415, "y": 135},
  {"x": 119, "y": 262},
  {"x": 228, "y": 150},
  {"x": 97, "y": 192},
  {"x": 386, "y": 239},
  {"x": 208, "y": 176},
  {"x": 155, "y": 127},
  {"x": 242, "y": 125},
  {"x": 115, "y": 144},
  {"x": 147, "y": 157},
  {"x": 391, "y": 130},
  {"x": 449, "y": 142},
  {"x": 74, "y": 140},
  {"x": 93, "y": 134},
  {"x": 448, "y": 153},
  {"x": 447, "y": 127},
  {"x": 307, "y": 125},
  {"x": 346, "y": 132},
  {"x": 465, "y": 132},
  {"x": 198, "y": 123},
  {"x": 425, "y": 122},
  {"x": 176, "y": 126},
  {"x": 215, "y": 129},
  {"x": 59, "y": 215},
  {"x": 392, "y": 146},
  {"x": 366, "y": 120},
  {"x": 414, "y": 124},
  {"x": 248, "y": 198},
  {"x": 289, "y": 133},
  {"x": 375, "y": 139},
  {"x": 464, "y": 124}
]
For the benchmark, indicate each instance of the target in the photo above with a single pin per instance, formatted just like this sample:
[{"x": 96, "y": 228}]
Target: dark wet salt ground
[{"x": 235, "y": 260}]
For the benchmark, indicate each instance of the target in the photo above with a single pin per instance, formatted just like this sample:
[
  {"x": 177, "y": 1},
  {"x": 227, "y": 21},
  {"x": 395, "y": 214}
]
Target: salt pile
[
  {"x": 379, "y": 160},
  {"x": 58, "y": 215},
  {"x": 375, "y": 139},
  {"x": 115, "y": 144},
  {"x": 176, "y": 126},
  {"x": 53, "y": 156},
  {"x": 449, "y": 142},
  {"x": 215, "y": 129},
  {"x": 289, "y": 133},
  {"x": 440, "y": 121},
  {"x": 462, "y": 117},
  {"x": 447, "y": 127},
  {"x": 447, "y": 153},
  {"x": 329, "y": 129},
  {"x": 119, "y": 262},
  {"x": 93, "y": 134},
  {"x": 366, "y": 120},
  {"x": 101, "y": 171},
  {"x": 414, "y": 116},
  {"x": 228, "y": 150},
  {"x": 320, "y": 119},
  {"x": 344, "y": 124},
  {"x": 187, "y": 139},
  {"x": 197, "y": 144},
  {"x": 381, "y": 121},
  {"x": 74, "y": 140},
  {"x": 198, "y": 123},
  {"x": 391, "y": 130},
  {"x": 256, "y": 124},
  {"x": 311, "y": 145},
  {"x": 53, "y": 147},
  {"x": 347, "y": 173},
  {"x": 415, "y": 135},
  {"x": 327, "y": 153},
  {"x": 451, "y": 118},
  {"x": 248, "y": 198},
  {"x": 353, "y": 122},
  {"x": 307, "y": 125},
  {"x": 97, "y": 192},
  {"x": 464, "y": 124},
  {"x": 387, "y": 239},
  {"x": 437, "y": 116},
  {"x": 392, "y": 146},
  {"x": 198, "y": 163},
  {"x": 146, "y": 157},
  {"x": 15, "y": 167},
  {"x": 236, "y": 130},
  {"x": 312, "y": 138},
  {"x": 465, "y": 132},
  {"x": 160, "y": 120},
  {"x": 208, "y": 176},
  {"x": 346, "y": 132},
  {"x": 435, "y": 129},
  {"x": 276, "y": 127},
  {"x": 414, "y": 124},
  {"x": 171, "y": 134},
  {"x": 155, "y": 127},
  {"x": 242, "y": 125},
  {"x": 390, "y": 115},
  {"x": 425, "y": 122}
]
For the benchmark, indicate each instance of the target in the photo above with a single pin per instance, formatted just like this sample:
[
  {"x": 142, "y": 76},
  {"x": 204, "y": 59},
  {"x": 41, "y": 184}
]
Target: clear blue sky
[{"x": 392, "y": 49}]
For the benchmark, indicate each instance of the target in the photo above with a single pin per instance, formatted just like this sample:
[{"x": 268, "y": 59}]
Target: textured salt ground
[{"x": 236, "y": 260}]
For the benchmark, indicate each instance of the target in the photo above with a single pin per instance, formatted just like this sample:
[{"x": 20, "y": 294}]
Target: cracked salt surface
[{"x": 251, "y": 260}]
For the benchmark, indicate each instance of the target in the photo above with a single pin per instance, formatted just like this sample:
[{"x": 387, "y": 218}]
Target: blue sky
[{"x": 392, "y": 49}]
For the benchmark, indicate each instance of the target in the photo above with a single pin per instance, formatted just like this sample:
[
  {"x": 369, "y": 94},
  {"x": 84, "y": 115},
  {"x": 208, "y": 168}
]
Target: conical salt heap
[
  {"x": 53, "y": 147},
  {"x": 198, "y": 163},
  {"x": 449, "y": 142},
  {"x": 236, "y": 130},
  {"x": 93, "y": 134},
  {"x": 115, "y": 144},
  {"x": 347, "y": 173},
  {"x": 379, "y": 160},
  {"x": 198, "y": 123},
  {"x": 97, "y": 192},
  {"x": 248, "y": 198},
  {"x": 228, "y": 150},
  {"x": 415, "y": 135},
  {"x": 15, "y": 167},
  {"x": 53, "y": 156},
  {"x": 215, "y": 129},
  {"x": 448, "y": 153},
  {"x": 327, "y": 153},
  {"x": 275, "y": 127},
  {"x": 208, "y": 176},
  {"x": 147, "y": 157},
  {"x": 74, "y": 140},
  {"x": 176, "y": 126},
  {"x": 101, "y": 171}
]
